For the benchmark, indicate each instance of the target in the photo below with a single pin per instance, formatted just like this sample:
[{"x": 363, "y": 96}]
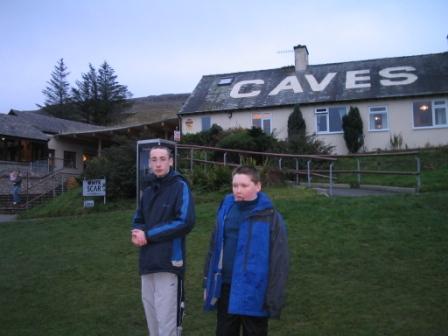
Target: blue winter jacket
[
  {"x": 166, "y": 215},
  {"x": 260, "y": 267}
]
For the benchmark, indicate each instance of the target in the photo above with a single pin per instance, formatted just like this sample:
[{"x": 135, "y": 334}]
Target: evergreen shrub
[{"x": 117, "y": 165}]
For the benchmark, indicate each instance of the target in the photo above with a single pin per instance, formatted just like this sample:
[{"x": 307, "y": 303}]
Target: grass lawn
[{"x": 359, "y": 266}]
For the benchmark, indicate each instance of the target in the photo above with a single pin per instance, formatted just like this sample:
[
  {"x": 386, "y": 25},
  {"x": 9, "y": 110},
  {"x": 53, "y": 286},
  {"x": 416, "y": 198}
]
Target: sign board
[
  {"x": 89, "y": 203},
  {"x": 176, "y": 135},
  {"x": 94, "y": 187}
]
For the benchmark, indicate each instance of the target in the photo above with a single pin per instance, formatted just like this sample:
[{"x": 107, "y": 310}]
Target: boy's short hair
[
  {"x": 250, "y": 171},
  {"x": 168, "y": 150}
]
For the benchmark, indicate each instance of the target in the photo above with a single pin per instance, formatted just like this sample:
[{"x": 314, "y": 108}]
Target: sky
[{"x": 160, "y": 46}]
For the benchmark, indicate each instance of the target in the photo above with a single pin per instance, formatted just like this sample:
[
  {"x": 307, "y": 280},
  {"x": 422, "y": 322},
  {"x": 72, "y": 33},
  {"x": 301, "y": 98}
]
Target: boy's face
[
  {"x": 160, "y": 162},
  {"x": 244, "y": 189}
]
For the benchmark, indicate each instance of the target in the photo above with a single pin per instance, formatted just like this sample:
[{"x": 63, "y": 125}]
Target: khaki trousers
[{"x": 160, "y": 301}]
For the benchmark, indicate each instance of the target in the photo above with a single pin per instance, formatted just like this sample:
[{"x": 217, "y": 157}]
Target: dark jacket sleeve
[
  {"x": 138, "y": 221},
  {"x": 278, "y": 267},
  {"x": 183, "y": 221},
  {"x": 208, "y": 257}
]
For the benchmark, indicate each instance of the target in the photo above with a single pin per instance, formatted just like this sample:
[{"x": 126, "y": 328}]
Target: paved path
[
  {"x": 7, "y": 218},
  {"x": 363, "y": 191}
]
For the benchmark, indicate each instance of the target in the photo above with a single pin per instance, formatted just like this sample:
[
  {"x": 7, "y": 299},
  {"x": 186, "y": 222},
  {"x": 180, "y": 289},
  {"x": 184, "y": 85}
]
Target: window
[
  {"x": 225, "y": 81},
  {"x": 69, "y": 159},
  {"x": 329, "y": 120},
  {"x": 378, "y": 118},
  {"x": 205, "y": 122},
  {"x": 430, "y": 114},
  {"x": 440, "y": 113},
  {"x": 263, "y": 121}
]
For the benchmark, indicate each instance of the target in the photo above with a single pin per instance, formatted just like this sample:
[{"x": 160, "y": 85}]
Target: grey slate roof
[
  {"x": 431, "y": 69},
  {"x": 14, "y": 127},
  {"x": 51, "y": 125}
]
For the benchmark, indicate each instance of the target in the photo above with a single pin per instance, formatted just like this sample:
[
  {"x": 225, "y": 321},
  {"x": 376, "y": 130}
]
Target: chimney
[{"x": 301, "y": 57}]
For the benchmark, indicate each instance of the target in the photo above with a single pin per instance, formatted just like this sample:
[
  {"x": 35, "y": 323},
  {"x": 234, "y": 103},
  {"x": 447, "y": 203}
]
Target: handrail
[
  {"x": 309, "y": 172},
  {"x": 218, "y": 149},
  {"x": 409, "y": 153},
  {"x": 46, "y": 179}
]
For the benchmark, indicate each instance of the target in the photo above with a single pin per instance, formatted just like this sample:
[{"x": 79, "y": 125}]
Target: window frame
[
  {"x": 434, "y": 106},
  {"x": 385, "y": 111},
  {"x": 203, "y": 118},
  {"x": 72, "y": 160},
  {"x": 433, "y": 103},
  {"x": 224, "y": 81},
  {"x": 326, "y": 111},
  {"x": 265, "y": 116}
]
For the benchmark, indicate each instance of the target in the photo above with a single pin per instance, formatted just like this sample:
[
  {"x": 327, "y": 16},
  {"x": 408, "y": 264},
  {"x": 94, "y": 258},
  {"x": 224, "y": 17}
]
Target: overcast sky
[{"x": 160, "y": 46}]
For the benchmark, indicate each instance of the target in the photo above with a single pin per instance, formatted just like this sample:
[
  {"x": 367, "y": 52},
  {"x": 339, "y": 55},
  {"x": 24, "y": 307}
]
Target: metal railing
[
  {"x": 53, "y": 184},
  {"x": 39, "y": 167},
  {"x": 381, "y": 157},
  {"x": 280, "y": 158},
  {"x": 35, "y": 189},
  {"x": 308, "y": 166}
]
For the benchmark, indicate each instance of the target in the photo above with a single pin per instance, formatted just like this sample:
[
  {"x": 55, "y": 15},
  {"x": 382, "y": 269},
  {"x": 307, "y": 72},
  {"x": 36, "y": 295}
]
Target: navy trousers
[{"x": 231, "y": 325}]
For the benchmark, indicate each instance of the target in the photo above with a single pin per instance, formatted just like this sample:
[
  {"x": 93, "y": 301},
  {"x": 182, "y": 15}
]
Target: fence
[
  {"x": 376, "y": 164},
  {"x": 297, "y": 165},
  {"x": 34, "y": 190},
  {"x": 312, "y": 167},
  {"x": 37, "y": 168}
]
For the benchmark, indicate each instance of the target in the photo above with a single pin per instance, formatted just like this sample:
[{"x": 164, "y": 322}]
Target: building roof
[
  {"x": 107, "y": 133},
  {"x": 426, "y": 74},
  {"x": 51, "y": 125},
  {"x": 14, "y": 127},
  {"x": 157, "y": 114}
]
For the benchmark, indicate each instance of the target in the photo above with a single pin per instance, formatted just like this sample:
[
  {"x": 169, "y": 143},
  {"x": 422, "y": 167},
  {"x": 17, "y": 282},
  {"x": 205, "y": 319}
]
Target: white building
[{"x": 403, "y": 97}]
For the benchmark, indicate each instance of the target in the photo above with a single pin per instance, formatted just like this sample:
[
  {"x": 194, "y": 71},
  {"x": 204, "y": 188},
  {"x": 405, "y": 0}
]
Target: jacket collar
[
  {"x": 264, "y": 202},
  {"x": 155, "y": 181}
]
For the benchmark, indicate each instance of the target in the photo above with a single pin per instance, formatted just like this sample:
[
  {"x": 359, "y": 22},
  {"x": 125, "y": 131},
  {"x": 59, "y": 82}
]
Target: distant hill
[
  {"x": 145, "y": 109},
  {"x": 153, "y": 108}
]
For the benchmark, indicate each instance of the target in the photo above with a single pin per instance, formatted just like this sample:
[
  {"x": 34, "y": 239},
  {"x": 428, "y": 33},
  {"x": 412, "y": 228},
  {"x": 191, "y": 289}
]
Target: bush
[
  {"x": 296, "y": 123},
  {"x": 117, "y": 165},
  {"x": 309, "y": 144},
  {"x": 237, "y": 139},
  {"x": 396, "y": 141},
  {"x": 353, "y": 130},
  {"x": 216, "y": 178},
  {"x": 205, "y": 138}
]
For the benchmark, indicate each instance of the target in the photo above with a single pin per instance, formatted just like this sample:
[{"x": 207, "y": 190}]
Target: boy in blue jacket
[{"x": 247, "y": 265}]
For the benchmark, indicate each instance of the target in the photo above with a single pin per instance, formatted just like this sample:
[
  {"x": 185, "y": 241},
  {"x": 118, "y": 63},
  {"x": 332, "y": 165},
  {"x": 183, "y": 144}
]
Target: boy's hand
[{"x": 138, "y": 237}]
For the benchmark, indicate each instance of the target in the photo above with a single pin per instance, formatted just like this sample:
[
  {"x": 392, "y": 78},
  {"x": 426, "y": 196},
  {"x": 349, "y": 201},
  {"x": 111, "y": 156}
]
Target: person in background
[
  {"x": 247, "y": 264},
  {"x": 16, "y": 181},
  {"x": 159, "y": 226}
]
